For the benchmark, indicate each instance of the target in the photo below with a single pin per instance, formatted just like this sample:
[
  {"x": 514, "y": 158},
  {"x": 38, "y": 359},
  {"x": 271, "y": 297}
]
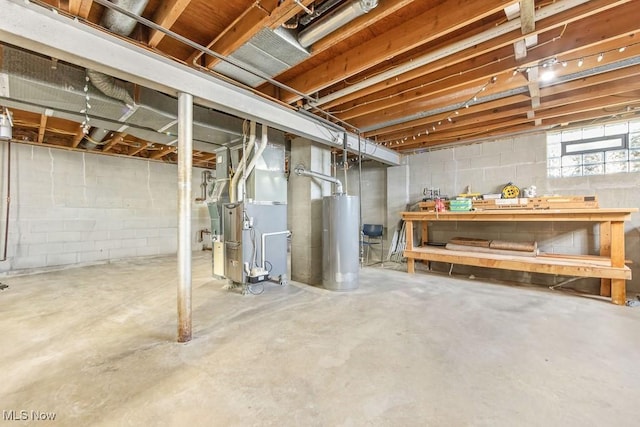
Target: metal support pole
[{"x": 185, "y": 158}]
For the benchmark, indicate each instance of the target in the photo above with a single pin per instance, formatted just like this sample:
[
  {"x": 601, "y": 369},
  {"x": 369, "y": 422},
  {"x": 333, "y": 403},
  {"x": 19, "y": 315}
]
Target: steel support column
[{"x": 185, "y": 155}]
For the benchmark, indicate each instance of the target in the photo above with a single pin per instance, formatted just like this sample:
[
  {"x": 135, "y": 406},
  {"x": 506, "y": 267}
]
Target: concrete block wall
[
  {"x": 489, "y": 165},
  {"x": 73, "y": 208},
  {"x": 374, "y": 190},
  {"x": 373, "y": 199},
  {"x": 304, "y": 210}
]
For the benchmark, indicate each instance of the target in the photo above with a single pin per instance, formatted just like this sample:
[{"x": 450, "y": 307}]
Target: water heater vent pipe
[{"x": 300, "y": 170}]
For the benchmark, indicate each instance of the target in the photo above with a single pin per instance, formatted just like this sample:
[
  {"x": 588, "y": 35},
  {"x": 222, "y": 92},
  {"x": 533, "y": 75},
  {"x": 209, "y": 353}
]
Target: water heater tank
[{"x": 340, "y": 242}]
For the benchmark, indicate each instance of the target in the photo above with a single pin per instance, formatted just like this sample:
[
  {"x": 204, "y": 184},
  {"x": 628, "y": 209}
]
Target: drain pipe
[
  {"x": 206, "y": 178},
  {"x": 233, "y": 196},
  {"x": 6, "y": 133},
  {"x": 301, "y": 171},
  {"x": 6, "y": 220},
  {"x": 254, "y": 160},
  {"x": 263, "y": 247}
]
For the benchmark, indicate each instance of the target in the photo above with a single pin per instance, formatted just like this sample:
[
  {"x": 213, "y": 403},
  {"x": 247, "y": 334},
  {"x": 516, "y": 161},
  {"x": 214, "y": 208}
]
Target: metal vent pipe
[
  {"x": 300, "y": 170},
  {"x": 334, "y": 20}
]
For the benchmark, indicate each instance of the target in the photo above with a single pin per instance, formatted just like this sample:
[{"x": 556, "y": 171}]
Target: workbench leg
[
  {"x": 411, "y": 265},
  {"x": 618, "y": 286},
  {"x": 605, "y": 250},
  {"x": 618, "y": 291},
  {"x": 424, "y": 238}
]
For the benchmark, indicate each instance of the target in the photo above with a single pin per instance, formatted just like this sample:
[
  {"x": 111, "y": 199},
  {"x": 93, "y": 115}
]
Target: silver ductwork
[
  {"x": 28, "y": 82},
  {"x": 123, "y": 25},
  {"x": 318, "y": 11},
  {"x": 119, "y": 23},
  {"x": 334, "y": 20}
]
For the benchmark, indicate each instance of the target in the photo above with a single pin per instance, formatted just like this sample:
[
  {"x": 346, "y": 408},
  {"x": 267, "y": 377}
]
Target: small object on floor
[
  {"x": 3, "y": 286},
  {"x": 633, "y": 303}
]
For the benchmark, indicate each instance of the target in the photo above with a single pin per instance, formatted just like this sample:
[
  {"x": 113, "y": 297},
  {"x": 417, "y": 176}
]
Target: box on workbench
[{"x": 460, "y": 204}]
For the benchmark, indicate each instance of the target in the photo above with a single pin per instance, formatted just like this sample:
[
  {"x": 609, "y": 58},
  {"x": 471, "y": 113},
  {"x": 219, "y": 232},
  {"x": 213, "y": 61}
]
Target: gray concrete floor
[{"x": 96, "y": 346}]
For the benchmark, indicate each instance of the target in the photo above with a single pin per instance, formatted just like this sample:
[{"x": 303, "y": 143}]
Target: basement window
[{"x": 594, "y": 150}]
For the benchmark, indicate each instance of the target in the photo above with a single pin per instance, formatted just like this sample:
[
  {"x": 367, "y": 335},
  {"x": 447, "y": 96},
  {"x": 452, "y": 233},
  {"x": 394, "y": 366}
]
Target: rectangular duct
[{"x": 271, "y": 51}]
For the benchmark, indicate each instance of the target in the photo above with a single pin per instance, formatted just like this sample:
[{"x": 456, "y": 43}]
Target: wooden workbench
[{"x": 609, "y": 265}]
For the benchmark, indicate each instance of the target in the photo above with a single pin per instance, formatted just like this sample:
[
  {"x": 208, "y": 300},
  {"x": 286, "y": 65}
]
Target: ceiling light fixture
[
  {"x": 600, "y": 57},
  {"x": 580, "y": 62},
  {"x": 548, "y": 75}
]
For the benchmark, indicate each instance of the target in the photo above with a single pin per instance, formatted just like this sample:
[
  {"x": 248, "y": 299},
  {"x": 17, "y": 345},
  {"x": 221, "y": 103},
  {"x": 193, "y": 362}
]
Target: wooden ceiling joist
[
  {"x": 163, "y": 152},
  {"x": 414, "y": 33},
  {"x": 42, "y": 128},
  {"x": 576, "y": 36},
  {"x": 166, "y": 15},
  {"x": 115, "y": 139},
  {"x": 80, "y": 8},
  {"x": 79, "y": 136},
  {"x": 359, "y": 24},
  {"x": 137, "y": 150}
]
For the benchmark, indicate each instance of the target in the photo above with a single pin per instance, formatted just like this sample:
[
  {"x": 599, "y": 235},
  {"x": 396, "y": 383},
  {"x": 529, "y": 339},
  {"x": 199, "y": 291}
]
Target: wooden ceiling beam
[
  {"x": 80, "y": 8},
  {"x": 382, "y": 11},
  {"x": 166, "y": 15},
  {"x": 415, "y": 32},
  {"x": 428, "y": 121},
  {"x": 42, "y": 128},
  {"x": 79, "y": 136},
  {"x": 136, "y": 150},
  {"x": 527, "y": 26},
  {"x": 576, "y": 36},
  {"x": 442, "y": 99},
  {"x": 590, "y": 109},
  {"x": 265, "y": 13},
  {"x": 115, "y": 139},
  {"x": 608, "y": 93},
  {"x": 527, "y": 16},
  {"x": 458, "y": 78},
  {"x": 163, "y": 152}
]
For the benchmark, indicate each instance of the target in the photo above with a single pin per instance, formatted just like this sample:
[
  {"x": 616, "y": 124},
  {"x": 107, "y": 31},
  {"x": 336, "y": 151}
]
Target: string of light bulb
[
  {"x": 445, "y": 119},
  {"x": 545, "y": 65}
]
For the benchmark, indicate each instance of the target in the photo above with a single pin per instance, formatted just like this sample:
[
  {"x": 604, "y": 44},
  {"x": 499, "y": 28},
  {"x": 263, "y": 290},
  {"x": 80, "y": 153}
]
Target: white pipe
[
  {"x": 232, "y": 187},
  {"x": 256, "y": 156},
  {"x": 545, "y": 12},
  {"x": 300, "y": 170},
  {"x": 264, "y": 241}
]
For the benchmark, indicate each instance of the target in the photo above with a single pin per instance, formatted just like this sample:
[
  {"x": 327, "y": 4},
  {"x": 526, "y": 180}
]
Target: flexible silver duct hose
[{"x": 108, "y": 85}]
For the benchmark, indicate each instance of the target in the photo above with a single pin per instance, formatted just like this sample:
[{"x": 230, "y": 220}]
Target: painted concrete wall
[
  {"x": 374, "y": 190},
  {"x": 305, "y": 210},
  {"x": 488, "y": 166},
  {"x": 74, "y": 208}
]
